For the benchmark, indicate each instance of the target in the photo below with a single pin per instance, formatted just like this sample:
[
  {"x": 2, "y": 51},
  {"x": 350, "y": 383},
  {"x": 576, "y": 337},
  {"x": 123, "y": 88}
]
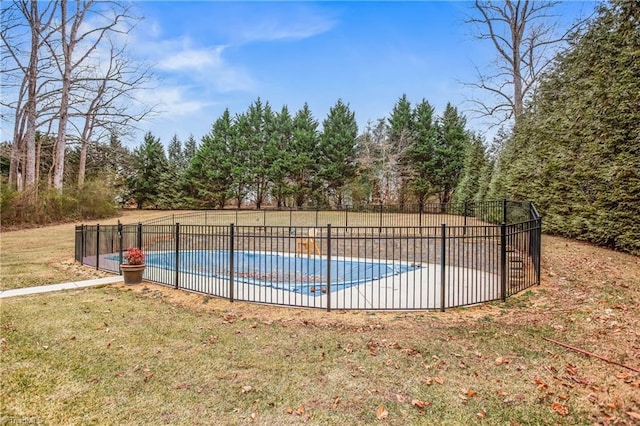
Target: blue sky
[{"x": 215, "y": 55}]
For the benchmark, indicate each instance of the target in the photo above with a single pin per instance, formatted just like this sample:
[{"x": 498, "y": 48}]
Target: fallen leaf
[
  {"x": 401, "y": 398},
  {"x": 420, "y": 404},
  {"x": 482, "y": 414},
  {"x": 382, "y": 413},
  {"x": 300, "y": 410},
  {"x": 148, "y": 377},
  {"x": 246, "y": 389},
  {"x": 336, "y": 401},
  {"x": 500, "y": 360},
  {"x": 560, "y": 409},
  {"x": 471, "y": 393},
  {"x": 289, "y": 410},
  {"x": 571, "y": 369},
  {"x": 541, "y": 385},
  {"x": 254, "y": 415},
  {"x": 412, "y": 352}
]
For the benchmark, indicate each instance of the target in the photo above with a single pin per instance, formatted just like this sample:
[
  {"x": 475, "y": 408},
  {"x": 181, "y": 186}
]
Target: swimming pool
[{"x": 300, "y": 274}]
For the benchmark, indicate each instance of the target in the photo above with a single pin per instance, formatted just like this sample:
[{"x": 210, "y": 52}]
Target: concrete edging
[{"x": 62, "y": 286}]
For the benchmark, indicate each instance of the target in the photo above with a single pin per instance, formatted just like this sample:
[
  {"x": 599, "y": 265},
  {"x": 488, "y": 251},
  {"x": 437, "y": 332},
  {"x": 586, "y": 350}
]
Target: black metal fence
[{"x": 373, "y": 260}]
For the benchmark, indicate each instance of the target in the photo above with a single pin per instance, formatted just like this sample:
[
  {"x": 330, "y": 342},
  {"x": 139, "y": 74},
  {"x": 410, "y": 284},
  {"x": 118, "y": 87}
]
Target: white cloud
[
  {"x": 173, "y": 101},
  {"x": 287, "y": 21},
  {"x": 276, "y": 28},
  {"x": 198, "y": 59}
]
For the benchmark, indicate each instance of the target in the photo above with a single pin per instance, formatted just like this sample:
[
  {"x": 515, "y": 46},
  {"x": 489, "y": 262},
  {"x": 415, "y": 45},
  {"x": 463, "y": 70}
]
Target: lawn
[{"x": 154, "y": 355}]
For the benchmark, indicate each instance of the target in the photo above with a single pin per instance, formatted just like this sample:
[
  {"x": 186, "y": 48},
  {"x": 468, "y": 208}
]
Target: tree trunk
[
  {"x": 30, "y": 136},
  {"x": 63, "y": 115}
]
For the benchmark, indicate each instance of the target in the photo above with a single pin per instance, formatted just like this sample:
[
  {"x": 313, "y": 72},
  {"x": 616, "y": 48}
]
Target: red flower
[{"x": 134, "y": 256}]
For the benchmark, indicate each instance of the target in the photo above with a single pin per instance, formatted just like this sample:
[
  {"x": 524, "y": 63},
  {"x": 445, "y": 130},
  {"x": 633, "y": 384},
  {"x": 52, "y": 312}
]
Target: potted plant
[{"x": 133, "y": 269}]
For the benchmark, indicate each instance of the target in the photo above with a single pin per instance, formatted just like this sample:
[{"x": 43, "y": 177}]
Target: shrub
[{"x": 36, "y": 206}]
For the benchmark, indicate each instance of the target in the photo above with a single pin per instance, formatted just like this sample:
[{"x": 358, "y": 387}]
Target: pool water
[{"x": 305, "y": 275}]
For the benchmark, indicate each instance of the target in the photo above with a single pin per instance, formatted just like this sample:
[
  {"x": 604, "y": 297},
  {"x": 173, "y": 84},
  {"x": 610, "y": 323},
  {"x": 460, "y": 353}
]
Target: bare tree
[
  {"x": 525, "y": 37},
  {"x": 29, "y": 67},
  {"x": 74, "y": 35},
  {"x": 108, "y": 95},
  {"x": 380, "y": 157},
  {"x": 65, "y": 73}
]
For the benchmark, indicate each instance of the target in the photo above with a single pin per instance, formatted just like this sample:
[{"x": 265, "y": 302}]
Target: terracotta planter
[{"x": 132, "y": 274}]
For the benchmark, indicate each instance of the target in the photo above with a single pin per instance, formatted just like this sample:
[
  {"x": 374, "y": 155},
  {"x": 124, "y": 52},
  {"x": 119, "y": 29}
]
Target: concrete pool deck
[{"x": 417, "y": 289}]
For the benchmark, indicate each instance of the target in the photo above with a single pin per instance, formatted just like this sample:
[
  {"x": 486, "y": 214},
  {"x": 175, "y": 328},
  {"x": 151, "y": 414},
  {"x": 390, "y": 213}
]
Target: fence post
[
  {"x": 140, "y": 235},
  {"x": 177, "y": 273},
  {"x": 328, "y": 267},
  {"x": 84, "y": 244},
  {"x": 346, "y": 217},
  {"x": 231, "y": 265},
  {"x": 380, "y": 221},
  {"x": 504, "y": 210},
  {"x": 120, "y": 242},
  {"x": 420, "y": 207},
  {"x": 464, "y": 229},
  {"x": 503, "y": 261},
  {"x": 97, "y": 247},
  {"x": 443, "y": 265},
  {"x": 539, "y": 249},
  {"x": 290, "y": 218},
  {"x": 317, "y": 208}
]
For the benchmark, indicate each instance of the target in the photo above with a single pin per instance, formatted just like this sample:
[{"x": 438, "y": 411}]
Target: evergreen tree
[
  {"x": 189, "y": 150},
  {"x": 170, "y": 194},
  {"x": 209, "y": 176},
  {"x": 475, "y": 162},
  {"x": 254, "y": 130},
  {"x": 421, "y": 158},
  {"x": 240, "y": 156},
  {"x": 174, "y": 152},
  {"x": 450, "y": 148},
  {"x": 576, "y": 152},
  {"x": 304, "y": 155},
  {"x": 150, "y": 165},
  {"x": 281, "y": 135},
  {"x": 337, "y": 151}
]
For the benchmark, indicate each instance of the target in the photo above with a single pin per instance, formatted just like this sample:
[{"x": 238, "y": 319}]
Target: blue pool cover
[{"x": 306, "y": 275}]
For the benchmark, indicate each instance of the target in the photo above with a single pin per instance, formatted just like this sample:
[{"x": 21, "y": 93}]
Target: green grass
[
  {"x": 152, "y": 355},
  {"x": 112, "y": 356}
]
